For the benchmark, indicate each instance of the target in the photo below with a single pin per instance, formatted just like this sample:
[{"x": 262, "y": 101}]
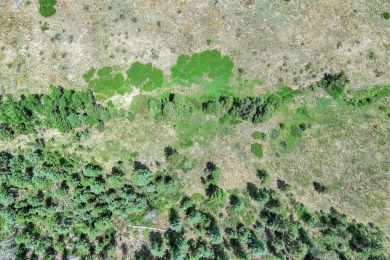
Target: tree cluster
[
  {"x": 51, "y": 205},
  {"x": 230, "y": 107},
  {"x": 63, "y": 109}
]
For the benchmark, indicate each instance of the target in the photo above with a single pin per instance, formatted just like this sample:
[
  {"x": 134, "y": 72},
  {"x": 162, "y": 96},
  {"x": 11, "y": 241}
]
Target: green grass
[
  {"x": 208, "y": 68},
  {"x": 89, "y": 74},
  {"x": 257, "y": 149},
  {"x": 259, "y": 135},
  {"x": 107, "y": 82},
  {"x": 342, "y": 150},
  {"x": 46, "y": 7},
  {"x": 144, "y": 76},
  {"x": 367, "y": 95}
]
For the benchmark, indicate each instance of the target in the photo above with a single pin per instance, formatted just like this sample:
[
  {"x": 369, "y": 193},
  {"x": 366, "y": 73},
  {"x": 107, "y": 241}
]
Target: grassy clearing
[{"x": 344, "y": 150}]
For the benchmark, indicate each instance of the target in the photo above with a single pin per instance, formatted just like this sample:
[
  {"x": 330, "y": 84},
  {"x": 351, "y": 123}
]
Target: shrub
[
  {"x": 258, "y": 135},
  {"x": 319, "y": 187},
  {"x": 257, "y": 149},
  {"x": 212, "y": 173},
  {"x": 174, "y": 220},
  {"x": 46, "y": 7},
  {"x": 263, "y": 176},
  {"x": 258, "y": 247},
  {"x": 236, "y": 203},
  {"x": 216, "y": 235},
  {"x": 142, "y": 177},
  {"x": 198, "y": 218},
  {"x": 334, "y": 84},
  {"x": 145, "y": 76},
  {"x": 282, "y": 185},
  {"x": 217, "y": 197},
  {"x": 208, "y": 63}
]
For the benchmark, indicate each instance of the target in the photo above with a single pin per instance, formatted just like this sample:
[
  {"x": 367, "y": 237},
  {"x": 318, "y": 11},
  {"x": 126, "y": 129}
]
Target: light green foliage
[
  {"x": 142, "y": 177},
  {"x": 236, "y": 203},
  {"x": 258, "y": 247},
  {"x": 92, "y": 170},
  {"x": 144, "y": 76},
  {"x": 258, "y": 135},
  {"x": 290, "y": 132},
  {"x": 175, "y": 221},
  {"x": 198, "y": 218},
  {"x": 367, "y": 96},
  {"x": 257, "y": 149},
  {"x": 89, "y": 74},
  {"x": 263, "y": 176},
  {"x": 157, "y": 247},
  {"x": 217, "y": 197},
  {"x": 107, "y": 82},
  {"x": 208, "y": 68},
  {"x": 212, "y": 174},
  {"x": 46, "y": 7}
]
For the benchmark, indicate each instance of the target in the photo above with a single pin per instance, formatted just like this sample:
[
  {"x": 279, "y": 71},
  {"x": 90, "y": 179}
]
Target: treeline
[
  {"x": 258, "y": 222},
  {"x": 63, "y": 109},
  {"x": 52, "y": 205},
  {"x": 231, "y": 108},
  {"x": 335, "y": 84}
]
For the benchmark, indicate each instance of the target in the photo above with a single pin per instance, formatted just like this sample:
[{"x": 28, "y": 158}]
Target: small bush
[
  {"x": 257, "y": 149},
  {"x": 263, "y": 176},
  {"x": 282, "y": 185},
  {"x": 258, "y": 135},
  {"x": 319, "y": 187},
  {"x": 334, "y": 84},
  {"x": 386, "y": 15},
  {"x": 46, "y": 7}
]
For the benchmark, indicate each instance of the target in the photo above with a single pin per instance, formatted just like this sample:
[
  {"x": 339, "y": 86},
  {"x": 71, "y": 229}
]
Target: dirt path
[{"x": 125, "y": 100}]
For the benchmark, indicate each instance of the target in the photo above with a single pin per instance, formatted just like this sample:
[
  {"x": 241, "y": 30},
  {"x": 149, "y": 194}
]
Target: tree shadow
[
  {"x": 140, "y": 166},
  {"x": 252, "y": 189}
]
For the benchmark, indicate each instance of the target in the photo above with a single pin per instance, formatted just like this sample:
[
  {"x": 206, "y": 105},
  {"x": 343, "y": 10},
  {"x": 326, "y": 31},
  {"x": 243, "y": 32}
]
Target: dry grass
[
  {"x": 347, "y": 151},
  {"x": 268, "y": 39}
]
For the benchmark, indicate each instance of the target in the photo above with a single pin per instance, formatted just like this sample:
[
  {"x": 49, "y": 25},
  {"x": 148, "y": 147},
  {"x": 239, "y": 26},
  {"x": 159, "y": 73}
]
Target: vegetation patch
[
  {"x": 368, "y": 95},
  {"x": 144, "y": 76},
  {"x": 259, "y": 135},
  {"x": 63, "y": 109},
  {"x": 334, "y": 84},
  {"x": 106, "y": 82},
  {"x": 208, "y": 68},
  {"x": 112, "y": 182},
  {"x": 46, "y": 7},
  {"x": 257, "y": 149},
  {"x": 87, "y": 208}
]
